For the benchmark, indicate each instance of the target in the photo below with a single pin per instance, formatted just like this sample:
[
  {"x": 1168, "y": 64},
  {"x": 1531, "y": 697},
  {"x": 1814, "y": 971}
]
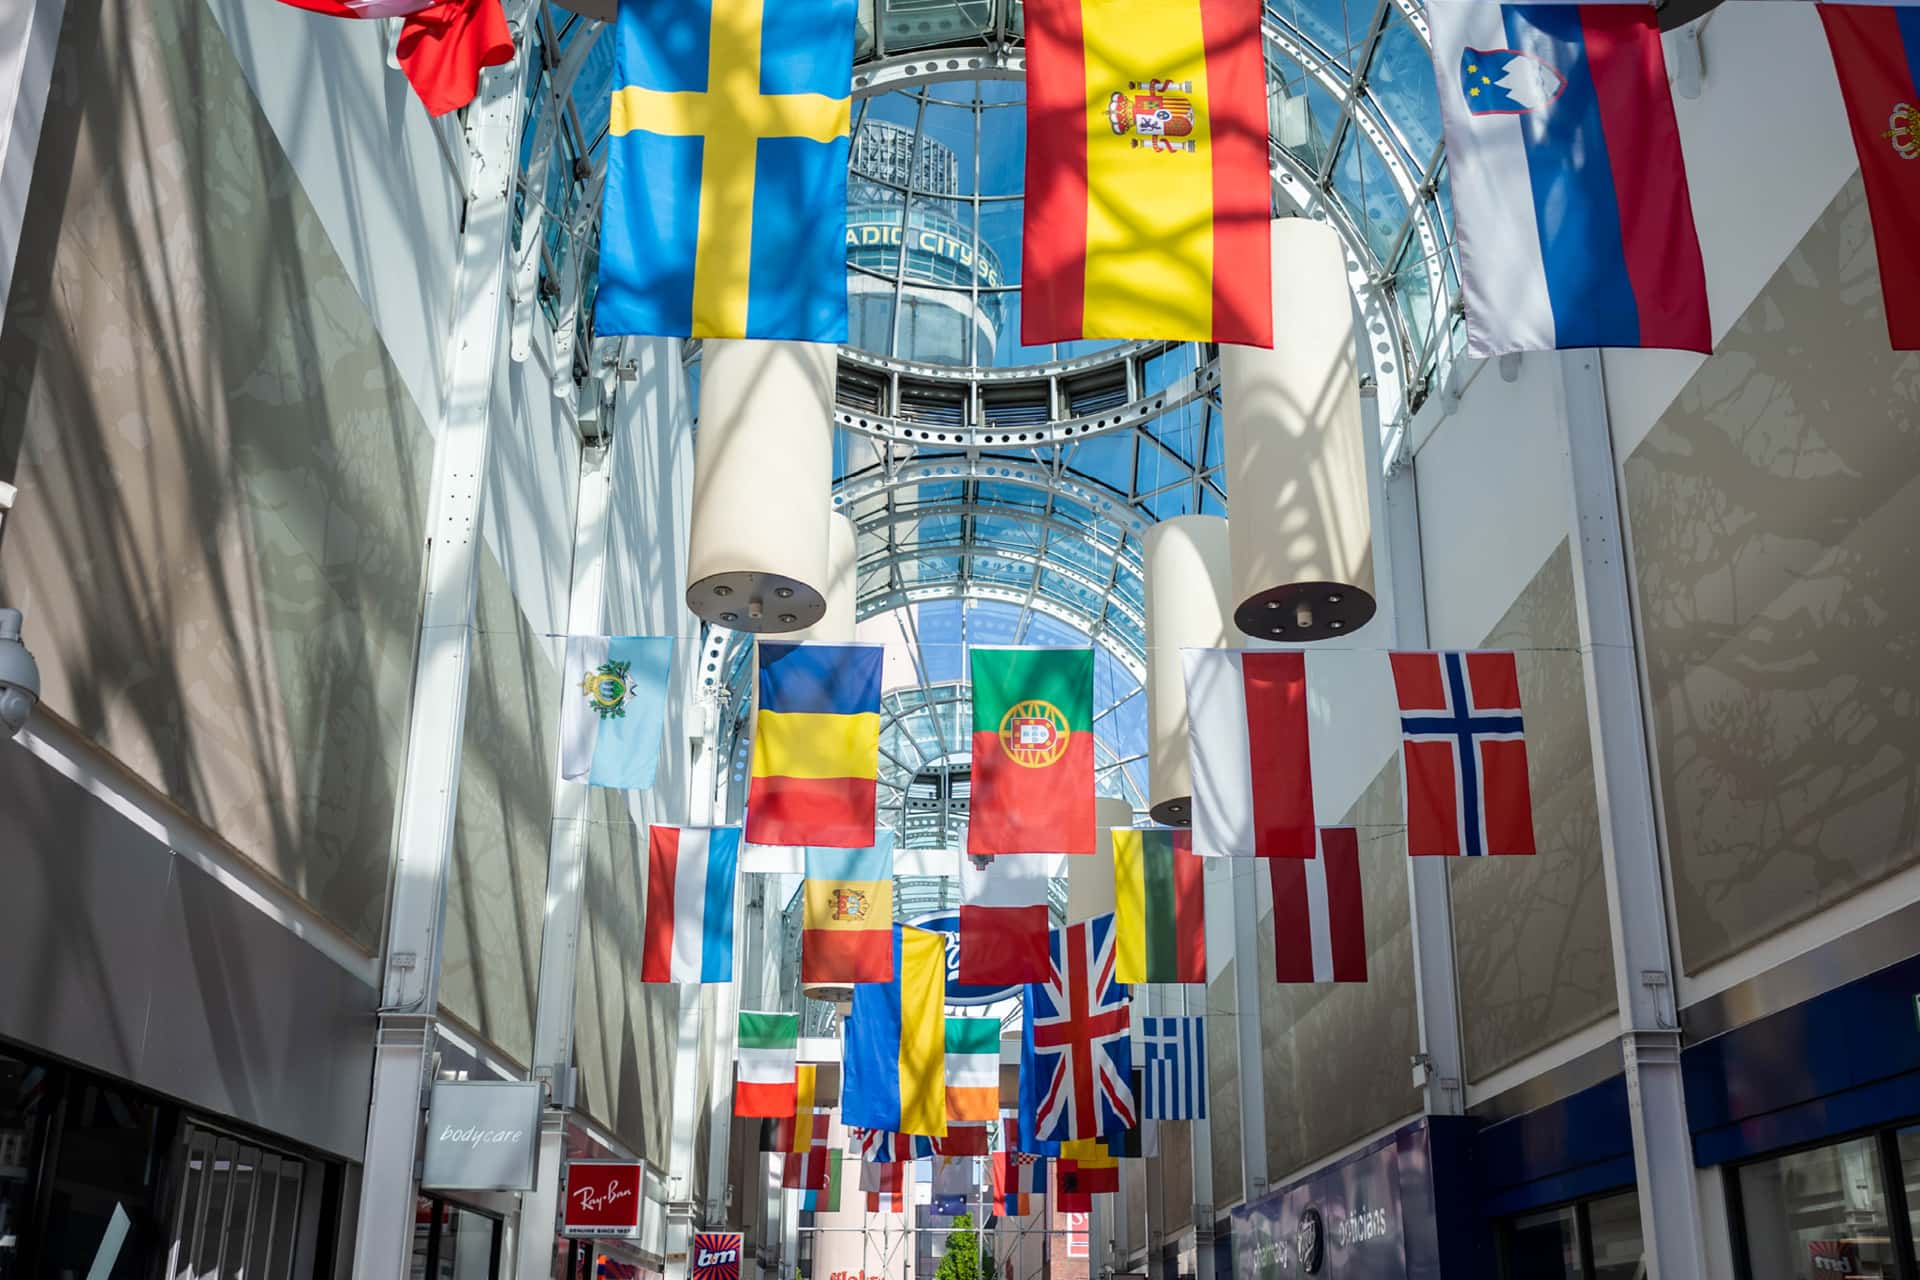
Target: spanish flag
[
  {"x": 895, "y": 1049},
  {"x": 1148, "y": 192},
  {"x": 816, "y": 745}
]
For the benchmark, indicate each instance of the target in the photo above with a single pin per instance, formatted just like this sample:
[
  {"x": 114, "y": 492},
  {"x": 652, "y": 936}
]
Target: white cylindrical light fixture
[
  {"x": 762, "y": 476},
  {"x": 1090, "y": 889},
  {"x": 1188, "y": 580},
  {"x": 1301, "y": 532},
  {"x": 842, "y": 585}
]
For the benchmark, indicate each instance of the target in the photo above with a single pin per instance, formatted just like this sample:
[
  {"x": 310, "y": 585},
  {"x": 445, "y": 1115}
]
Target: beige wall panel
[
  {"x": 497, "y": 883},
  {"x": 1775, "y": 514},
  {"x": 1530, "y": 936},
  {"x": 222, "y": 474},
  {"x": 1337, "y": 1054},
  {"x": 1223, "y": 1085},
  {"x": 624, "y": 1029}
]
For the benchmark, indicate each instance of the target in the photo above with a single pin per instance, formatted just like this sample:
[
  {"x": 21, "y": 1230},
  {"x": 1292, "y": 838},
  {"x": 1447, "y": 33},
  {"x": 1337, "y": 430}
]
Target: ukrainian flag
[
  {"x": 895, "y": 1047},
  {"x": 816, "y": 745},
  {"x": 725, "y": 213}
]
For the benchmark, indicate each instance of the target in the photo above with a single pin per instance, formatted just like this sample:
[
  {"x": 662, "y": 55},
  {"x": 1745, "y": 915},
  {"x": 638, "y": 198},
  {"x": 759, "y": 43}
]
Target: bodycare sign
[
  {"x": 481, "y": 1136},
  {"x": 603, "y": 1199}
]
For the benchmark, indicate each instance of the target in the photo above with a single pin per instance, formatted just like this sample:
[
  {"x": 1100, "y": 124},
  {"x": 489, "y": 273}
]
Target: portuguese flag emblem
[{"x": 1032, "y": 751}]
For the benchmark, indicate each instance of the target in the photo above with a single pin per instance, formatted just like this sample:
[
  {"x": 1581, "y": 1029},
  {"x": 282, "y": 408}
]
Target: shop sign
[
  {"x": 604, "y": 1199},
  {"x": 481, "y": 1135},
  {"x": 715, "y": 1255},
  {"x": 1343, "y": 1224}
]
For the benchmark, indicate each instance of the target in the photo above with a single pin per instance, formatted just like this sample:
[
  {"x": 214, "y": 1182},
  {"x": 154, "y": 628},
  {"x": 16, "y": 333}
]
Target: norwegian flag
[
  {"x": 1076, "y": 1050},
  {"x": 878, "y": 1146},
  {"x": 1463, "y": 754}
]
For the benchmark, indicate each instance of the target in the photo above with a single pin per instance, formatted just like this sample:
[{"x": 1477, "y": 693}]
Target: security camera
[{"x": 19, "y": 676}]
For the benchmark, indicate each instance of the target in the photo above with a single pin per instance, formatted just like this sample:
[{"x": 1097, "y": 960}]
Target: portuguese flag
[{"x": 1032, "y": 751}]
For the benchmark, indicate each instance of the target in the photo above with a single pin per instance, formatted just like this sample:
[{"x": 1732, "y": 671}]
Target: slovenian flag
[
  {"x": 688, "y": 934},
  {"x": 615, "y": 709},
  {"x": 816, "y": 745},
  {"x": 896, "y": 1042},
  {"x": 1572, "y": 214}
]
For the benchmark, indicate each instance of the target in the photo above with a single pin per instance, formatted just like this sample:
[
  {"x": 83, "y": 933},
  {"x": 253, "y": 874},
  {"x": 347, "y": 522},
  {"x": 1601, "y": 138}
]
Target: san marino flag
[
  {"x": 616, "y": 706},
  {"x": 726, "y": 205}
]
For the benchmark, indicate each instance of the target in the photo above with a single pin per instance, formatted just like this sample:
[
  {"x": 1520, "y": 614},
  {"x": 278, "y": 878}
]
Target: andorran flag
[
  {"x": 1148, "y": 193},
  {"x": 1032, "y": 751}
]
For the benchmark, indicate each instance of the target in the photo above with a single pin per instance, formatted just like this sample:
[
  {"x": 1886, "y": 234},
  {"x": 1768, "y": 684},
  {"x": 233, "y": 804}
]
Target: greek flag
[{"x": 1175, "y": 1067}]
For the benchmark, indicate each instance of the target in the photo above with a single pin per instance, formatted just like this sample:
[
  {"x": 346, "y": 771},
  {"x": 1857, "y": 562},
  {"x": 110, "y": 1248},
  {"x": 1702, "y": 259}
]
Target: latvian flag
[
  {"x": 1003, "y": 918},
  {"x": 767, "y": 1064},
  {"x": 1463, "y": 754},
  {"x": 1252, "y": 770},
  {"x": 1319, "y": 929},
  {"x": 688, "y": 934}
]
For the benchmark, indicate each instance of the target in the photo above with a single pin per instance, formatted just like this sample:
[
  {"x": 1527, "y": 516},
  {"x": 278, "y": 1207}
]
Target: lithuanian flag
[
  {"x": 1032, "y": 751},
  {"x": 1148, "y": 192},
  {"x": 1160, "y": 907}
]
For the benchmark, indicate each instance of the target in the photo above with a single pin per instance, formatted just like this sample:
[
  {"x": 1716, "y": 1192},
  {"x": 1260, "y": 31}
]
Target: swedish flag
[{"x": 726, "y": 205}]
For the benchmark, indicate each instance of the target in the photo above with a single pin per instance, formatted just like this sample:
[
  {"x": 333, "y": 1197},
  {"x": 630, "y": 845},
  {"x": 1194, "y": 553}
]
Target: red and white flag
[
  {"x": 1463, "y": 754},
  {"x": 1319, "y": 926},
  {"x": 811, "y": 1170},
  {"x": 443, "y": 46},
  {"x": 1003, "y": 918},
  {"x": 1252, "y": 769}
]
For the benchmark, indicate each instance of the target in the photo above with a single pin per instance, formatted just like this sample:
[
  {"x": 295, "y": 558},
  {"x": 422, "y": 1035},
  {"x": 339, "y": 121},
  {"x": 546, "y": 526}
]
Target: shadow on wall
[
  {"x": 222, "y": 475},
  {"x": 1775, "y": 513}
]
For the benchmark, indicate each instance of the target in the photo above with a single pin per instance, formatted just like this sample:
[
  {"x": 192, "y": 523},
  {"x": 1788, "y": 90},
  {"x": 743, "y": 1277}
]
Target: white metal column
[
  {"x": 1438, "y": 1067},
  {"x": 430, "y": 783},
  {"x": 1247, "y": 968},
  {"x": 1193, "y": 1003},
  {"x": 29, "y": 36},
  {"x": 566, "y": 874},
  {"x": 1629, "y": 838}
]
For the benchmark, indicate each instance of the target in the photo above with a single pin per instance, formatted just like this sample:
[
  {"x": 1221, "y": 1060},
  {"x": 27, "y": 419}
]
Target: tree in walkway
[{"x": 962, "y": 1260}]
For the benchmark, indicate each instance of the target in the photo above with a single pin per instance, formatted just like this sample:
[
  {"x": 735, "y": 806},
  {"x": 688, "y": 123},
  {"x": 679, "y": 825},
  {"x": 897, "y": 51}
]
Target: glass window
[
  {"x": 1909, "y": 1140},
  {"x": 100, "y": 1219},
  {"x": 1542, "y": 1246},
  {"x": 23, "y": 1122},
  {"x": 1613, "y": 1228},
  {"x": 1821, "y": 1212}
]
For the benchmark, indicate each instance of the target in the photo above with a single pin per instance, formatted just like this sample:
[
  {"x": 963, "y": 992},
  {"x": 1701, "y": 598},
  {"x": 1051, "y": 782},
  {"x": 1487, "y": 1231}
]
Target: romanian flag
[
  {"x": 1148, "y": 193},
  {"x": 846, "y": 914},
  {"x": 816, "y": 745},
  {"x": 1160, "y": 907},
  {"x": 895, "y": 1051},
  {"x": 1032, "y": 751},
  {"x": 973, "y": 1071}
]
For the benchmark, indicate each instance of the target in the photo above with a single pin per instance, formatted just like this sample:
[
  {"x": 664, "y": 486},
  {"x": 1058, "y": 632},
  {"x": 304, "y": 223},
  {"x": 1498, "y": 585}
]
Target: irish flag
[
  {"x": 1032, "y": 751},
  {"x": 973, "y": 1070},
  {"x": 1147, "y": 181},
  {"x": 688, "y": 932},
  {"x": 768, "y": 1062}
]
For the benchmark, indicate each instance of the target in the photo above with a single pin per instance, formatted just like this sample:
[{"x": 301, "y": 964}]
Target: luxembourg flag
[
  {"x": 688, "y": 934},
  {"x": 1572, "y": 214}
]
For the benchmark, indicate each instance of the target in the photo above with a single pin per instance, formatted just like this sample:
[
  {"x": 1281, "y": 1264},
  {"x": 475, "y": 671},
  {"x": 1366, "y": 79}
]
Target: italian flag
[
  {"x": 1032, "y": 751},
  {"x": 768, "y": 1064},
  {"x": 973, "y": 1070}
]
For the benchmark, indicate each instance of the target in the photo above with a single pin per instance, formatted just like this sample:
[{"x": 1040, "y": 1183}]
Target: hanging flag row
[{"x": 1148, "y": 189}]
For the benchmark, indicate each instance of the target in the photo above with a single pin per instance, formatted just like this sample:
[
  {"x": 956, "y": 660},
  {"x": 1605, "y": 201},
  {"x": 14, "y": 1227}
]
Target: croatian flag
[
  {"x": 688, "y": 935},
  {"x": 1572, "y": 214},
  {"x": 1463, "y": 754}
]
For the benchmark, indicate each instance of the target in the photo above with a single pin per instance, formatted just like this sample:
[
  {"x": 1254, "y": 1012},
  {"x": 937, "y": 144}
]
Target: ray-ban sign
[{"x": 604, "y": 1199}]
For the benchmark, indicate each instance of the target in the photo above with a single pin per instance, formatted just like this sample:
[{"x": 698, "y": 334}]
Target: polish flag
[
  {"x": 1003, "y": 919},
  {"x": 688, "y": 934},
  {"x": 443, "y": 45},
  {"x": 1319, "y": 932},
  {"x": 1252, "y": 770}
]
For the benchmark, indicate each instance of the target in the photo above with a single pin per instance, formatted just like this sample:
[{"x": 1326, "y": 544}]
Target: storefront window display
[
  {"x": 1818, "y": 1213},
  {"x": 1593, "y": 1240}
]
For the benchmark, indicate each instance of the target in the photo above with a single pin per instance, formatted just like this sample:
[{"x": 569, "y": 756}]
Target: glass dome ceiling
[{"x": 1000, "y": 489}]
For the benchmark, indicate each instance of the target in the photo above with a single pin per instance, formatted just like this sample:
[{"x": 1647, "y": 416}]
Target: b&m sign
[
  {"x": 603, "y": 1199},
  {"x": 716, "y": 1256}
]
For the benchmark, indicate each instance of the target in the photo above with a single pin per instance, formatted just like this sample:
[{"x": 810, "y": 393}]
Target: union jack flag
[
  {"x": 1076, "y": 1051},
  {"x": 1463, "y": 754},
  {"x": 878, "y": 1146}
]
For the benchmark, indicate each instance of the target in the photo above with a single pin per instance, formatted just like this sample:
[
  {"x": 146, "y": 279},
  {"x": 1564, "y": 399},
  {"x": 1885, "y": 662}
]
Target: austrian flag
[{"x": 1463, "y": 754}]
